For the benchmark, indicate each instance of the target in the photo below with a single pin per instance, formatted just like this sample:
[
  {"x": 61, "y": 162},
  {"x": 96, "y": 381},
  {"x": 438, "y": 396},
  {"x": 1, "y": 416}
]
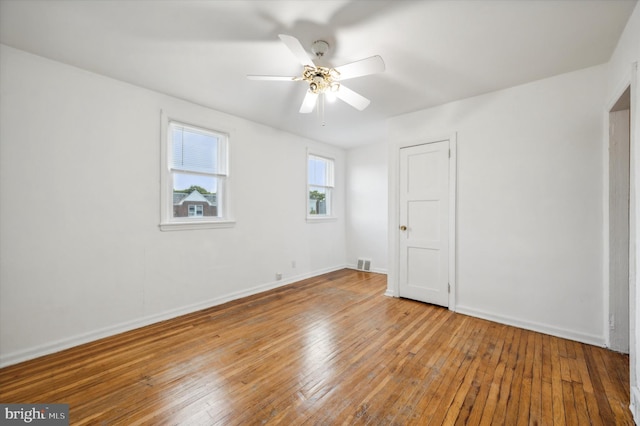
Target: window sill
[
  {"x": 318, "y": 219},
  {"x": 183, "y": 226}
]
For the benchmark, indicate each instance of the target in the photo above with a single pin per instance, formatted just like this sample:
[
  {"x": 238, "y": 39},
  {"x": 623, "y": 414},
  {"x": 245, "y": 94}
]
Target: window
[
  {"x": 320, "y": 183},
  {"x": 196, "y": 210},
  {"x": 194, "y": 177}
]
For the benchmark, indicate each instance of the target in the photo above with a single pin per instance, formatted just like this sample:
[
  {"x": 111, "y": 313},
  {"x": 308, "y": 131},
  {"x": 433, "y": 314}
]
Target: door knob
[{"x": 403, "y": 228}]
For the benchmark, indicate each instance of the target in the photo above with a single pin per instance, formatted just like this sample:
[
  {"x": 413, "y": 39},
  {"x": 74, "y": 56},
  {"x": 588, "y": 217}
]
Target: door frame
[
  {"x": 631, "y": 78},
  {"x": 393, "y": 282},
  {"x": 627, "y": 82},
  {"x": 614, "y": 339}
]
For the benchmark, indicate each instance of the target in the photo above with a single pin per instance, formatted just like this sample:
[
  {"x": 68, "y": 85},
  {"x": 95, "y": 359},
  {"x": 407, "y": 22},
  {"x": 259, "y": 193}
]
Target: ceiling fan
[{"x": 323, "y": 80}]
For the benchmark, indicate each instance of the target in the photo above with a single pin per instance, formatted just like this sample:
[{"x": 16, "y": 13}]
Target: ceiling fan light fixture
[{"x": 321, "y": 79}]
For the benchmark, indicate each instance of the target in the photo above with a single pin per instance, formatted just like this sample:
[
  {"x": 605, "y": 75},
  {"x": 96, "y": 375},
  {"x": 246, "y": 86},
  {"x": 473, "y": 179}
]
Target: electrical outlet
[
  {"x": 293, "y": 264},
  {"x": 278, "y": 276}
]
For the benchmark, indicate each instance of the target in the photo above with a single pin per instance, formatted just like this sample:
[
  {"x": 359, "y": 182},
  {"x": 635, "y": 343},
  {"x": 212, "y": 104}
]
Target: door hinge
[
  {"x": 449, "y": 153},
  {"x": 448, "y": 288}
]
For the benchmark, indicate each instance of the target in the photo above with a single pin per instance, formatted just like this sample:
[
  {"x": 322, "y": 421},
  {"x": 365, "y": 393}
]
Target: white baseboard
[
  {"x": 62, "y": 344},
  {"x": 390, "y": 293},
  {"x": 374, "y": 270},
  {"x": 590, "y": 339},
  {"x": 635, "y": 404}
]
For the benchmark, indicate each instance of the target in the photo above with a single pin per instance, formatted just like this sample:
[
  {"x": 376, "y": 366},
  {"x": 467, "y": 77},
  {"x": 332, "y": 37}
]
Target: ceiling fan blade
[
  {"x": 296, "y": 48},
  {"x": 371, "y": 65},
  {"x": 309, "y": 102},
  {"x": 354, "y": 99},
  {"x": 271, "y": 78}
]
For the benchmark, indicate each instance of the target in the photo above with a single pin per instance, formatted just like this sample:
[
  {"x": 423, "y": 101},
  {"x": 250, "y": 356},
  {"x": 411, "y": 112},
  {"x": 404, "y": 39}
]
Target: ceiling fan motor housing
[{"x": 319, "y": 48}]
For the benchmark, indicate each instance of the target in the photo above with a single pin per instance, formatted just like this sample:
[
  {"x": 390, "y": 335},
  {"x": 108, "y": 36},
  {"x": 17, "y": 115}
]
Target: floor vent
[{"x": 364, "y": 265}]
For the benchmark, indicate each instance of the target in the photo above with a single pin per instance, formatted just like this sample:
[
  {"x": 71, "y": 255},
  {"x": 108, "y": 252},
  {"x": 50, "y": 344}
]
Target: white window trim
[
  {"x": 320, "y": 218},
  {"x": 198, "y": 119},
  {"x": 312, "y": 219}
]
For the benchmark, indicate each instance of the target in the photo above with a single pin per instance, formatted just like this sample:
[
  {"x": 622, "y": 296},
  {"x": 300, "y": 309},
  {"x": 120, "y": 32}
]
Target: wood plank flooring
[{"x": 329, "y": 350}]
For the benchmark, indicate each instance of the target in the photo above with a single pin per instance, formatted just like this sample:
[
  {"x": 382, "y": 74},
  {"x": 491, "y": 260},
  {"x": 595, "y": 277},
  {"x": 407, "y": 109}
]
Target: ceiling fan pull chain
[
  {"x": 323, "y": 99},
  {"x": 320, "y": 108}
]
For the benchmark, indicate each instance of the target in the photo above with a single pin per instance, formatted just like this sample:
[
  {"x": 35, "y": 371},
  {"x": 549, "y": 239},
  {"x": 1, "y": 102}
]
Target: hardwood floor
[{"x": 329, "y": 350}]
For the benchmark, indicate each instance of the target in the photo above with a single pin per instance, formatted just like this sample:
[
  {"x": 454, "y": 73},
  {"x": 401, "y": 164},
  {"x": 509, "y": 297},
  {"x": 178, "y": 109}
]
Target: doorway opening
[{"x": 620, "y": 227}]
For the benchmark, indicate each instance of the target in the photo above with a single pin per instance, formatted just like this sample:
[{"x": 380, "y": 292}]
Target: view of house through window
[
  {"x": 320, "y": 186},
  {"x": 198, "y": 170}
]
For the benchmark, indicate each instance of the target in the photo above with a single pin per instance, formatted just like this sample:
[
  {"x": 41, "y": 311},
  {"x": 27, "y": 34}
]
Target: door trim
[
  {"x": 620, "y": 205},
  {"x": 628, "y": 82},
  {"x": 393, "y": 282}
]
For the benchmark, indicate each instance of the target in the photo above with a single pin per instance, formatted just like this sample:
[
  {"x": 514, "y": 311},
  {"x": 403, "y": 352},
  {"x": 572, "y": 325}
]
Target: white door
[{"x": 424, "y": 223}]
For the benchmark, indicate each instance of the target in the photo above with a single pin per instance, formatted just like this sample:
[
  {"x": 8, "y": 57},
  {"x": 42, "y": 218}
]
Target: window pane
[
  {"x": 319, "y": 201},
  {"x": 195, "y": 195},
  {"x": 316, "y": 174},
  {"x": 320, "y": 171},
  {"x": 194, "y": 150}
]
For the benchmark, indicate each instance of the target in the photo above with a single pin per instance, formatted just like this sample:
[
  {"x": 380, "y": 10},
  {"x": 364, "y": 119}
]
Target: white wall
[
  {"x": 529, "y": 203},
  {"x": 81, "y": 252},
  {"x": 367, "y": 205},
  {"x": 622, "y": 72},
  {"x": 626, "y": 53}
]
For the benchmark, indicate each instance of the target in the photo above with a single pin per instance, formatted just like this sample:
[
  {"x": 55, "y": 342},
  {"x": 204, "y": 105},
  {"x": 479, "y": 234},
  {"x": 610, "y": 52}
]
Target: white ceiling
[{"x": 435, "y": 51}]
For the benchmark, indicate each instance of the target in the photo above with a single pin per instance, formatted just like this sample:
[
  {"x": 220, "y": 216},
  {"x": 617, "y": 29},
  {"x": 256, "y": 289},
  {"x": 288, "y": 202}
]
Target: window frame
[
  {"x": 198, "y": 120},
  {"x": 332, "y": 188}
]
